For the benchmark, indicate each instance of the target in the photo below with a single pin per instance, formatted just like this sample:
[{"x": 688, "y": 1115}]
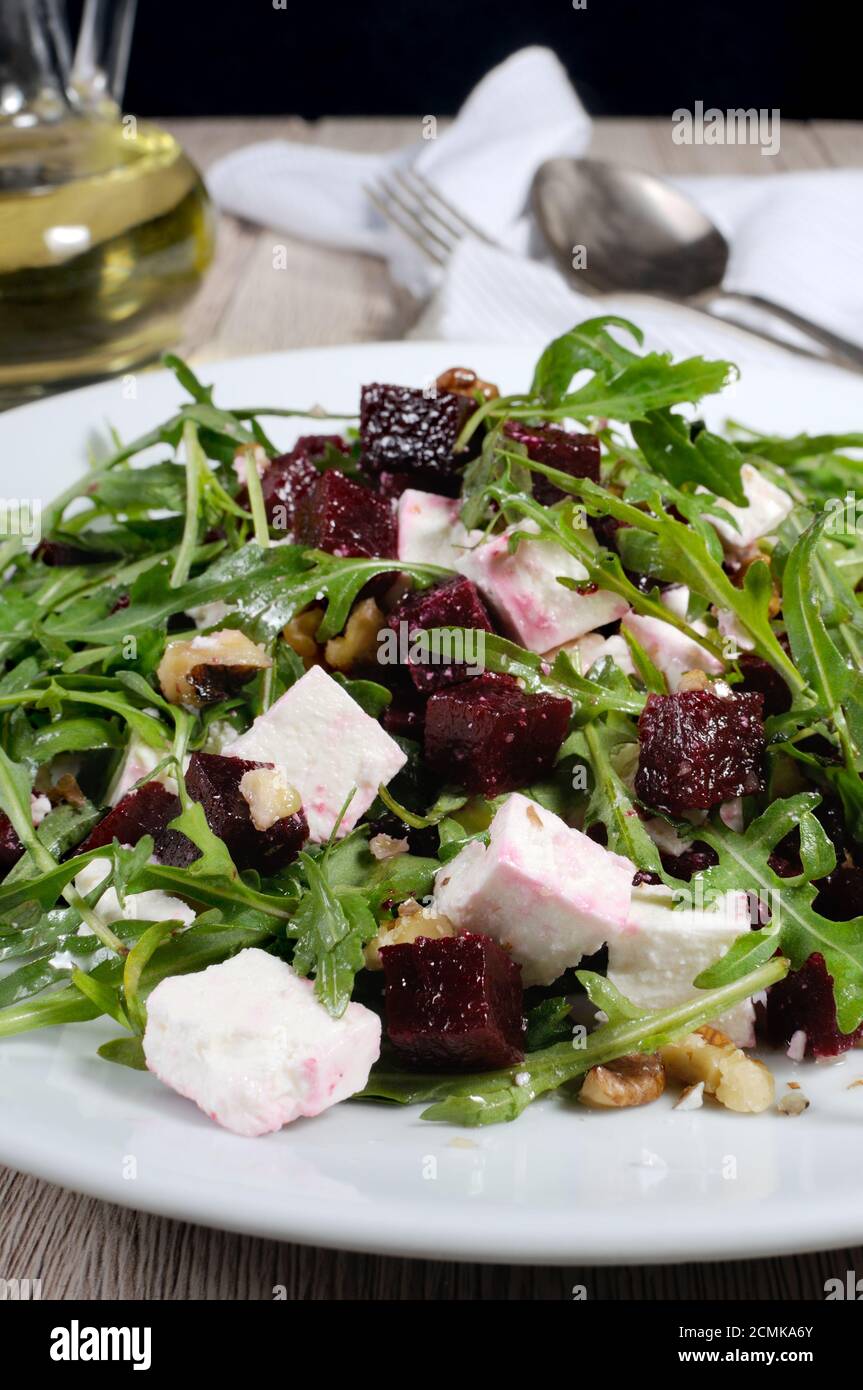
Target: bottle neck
[{"x": 35, "y": 61}]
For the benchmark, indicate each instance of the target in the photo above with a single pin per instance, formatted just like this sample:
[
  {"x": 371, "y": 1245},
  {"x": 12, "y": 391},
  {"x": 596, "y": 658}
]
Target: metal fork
[{"x": 413, "y": 205}]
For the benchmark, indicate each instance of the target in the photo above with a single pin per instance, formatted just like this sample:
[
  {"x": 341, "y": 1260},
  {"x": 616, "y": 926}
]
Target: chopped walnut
[
  {"x": 387, "y": 847},
  {"x": 299, "y": 634},
  {"x": 625, "y": 1082},
  {"x": 738, "y": 1082},
  {"x": 691, "y": 1097},
  {"x": 693, "y": 680},
  {"x": 270, "y": 796},
  {"x": 461, "y": 381},
  {"x": 409, "y": 925},
  {"x": 358, "y": 644},
  {"x": 205, "y": 669},
  {"x": 793, "y": 1103}
]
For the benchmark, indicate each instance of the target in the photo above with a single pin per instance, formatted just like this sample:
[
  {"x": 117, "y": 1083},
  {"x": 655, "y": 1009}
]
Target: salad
[{"x": 486, "y": 747}]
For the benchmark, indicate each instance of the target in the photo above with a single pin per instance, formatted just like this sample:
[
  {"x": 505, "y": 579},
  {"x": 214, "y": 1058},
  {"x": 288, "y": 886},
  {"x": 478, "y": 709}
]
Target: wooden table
[{"x": 81, "y": 1248}]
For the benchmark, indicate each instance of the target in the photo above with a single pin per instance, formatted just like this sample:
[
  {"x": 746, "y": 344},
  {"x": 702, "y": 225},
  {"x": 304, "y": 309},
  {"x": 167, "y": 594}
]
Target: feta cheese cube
[
  {"x": 593, "y": 647},
  {"x": 768, "y": 507},
  {"x": 250, "y": 1044},
  {"x": 150, "y": 906},
  {"x": 326, "y": 745},
  {"x": 429, "y": 531},
  {"x": 545, "y": 892},
  {"x": 671, "y": 651},
  {"x": 522, "y": 587},
  {"x": 655, "y": 961}
]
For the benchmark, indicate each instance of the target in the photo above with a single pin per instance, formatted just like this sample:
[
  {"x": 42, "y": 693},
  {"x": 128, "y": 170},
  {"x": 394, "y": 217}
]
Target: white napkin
[{"x": 795, "y": 238}]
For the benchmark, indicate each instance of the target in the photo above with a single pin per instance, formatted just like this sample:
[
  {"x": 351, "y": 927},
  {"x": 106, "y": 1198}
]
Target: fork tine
[
  {"x": 393, "y": 206},
  {"x": 433, "y": 200}
]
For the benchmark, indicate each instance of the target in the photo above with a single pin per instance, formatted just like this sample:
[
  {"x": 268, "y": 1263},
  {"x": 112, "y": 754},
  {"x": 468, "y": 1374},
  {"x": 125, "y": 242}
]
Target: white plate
[{"x": 559, "y": 1185}]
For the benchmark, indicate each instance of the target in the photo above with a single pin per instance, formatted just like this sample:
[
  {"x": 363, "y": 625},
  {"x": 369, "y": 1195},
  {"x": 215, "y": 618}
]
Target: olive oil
[{"x": 105, "y": 231}]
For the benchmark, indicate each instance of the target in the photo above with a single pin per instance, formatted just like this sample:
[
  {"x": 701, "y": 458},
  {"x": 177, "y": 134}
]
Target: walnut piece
[
  {"x": 358, "y": 644},
  {"x": 693, "y": 680},
  {"x": 299, "y": 634},
  {"x": 408, "y": 926},
  {"x": 633, "y": 1080},
  {"x": 462, "y": 381},
  {"x": 205, "y": 669},
  {"x": 270, "y": 796},
  {"x": 738, "y": 1082}
]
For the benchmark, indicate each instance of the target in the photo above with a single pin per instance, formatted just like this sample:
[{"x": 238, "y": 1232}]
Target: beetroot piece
[
  {"x": 699, "y": 748},
  {"x": 403, "y": 430},
  {"x": 146, "y": 811},
  {"x": 214, "y": 781},
  {"x": 489, "y": 736},
  {"x": 60, "y": 553},
  {"x": 392, "y": 485},
  {"x": 804, "y": 1002},
  {"x": 339, "y": 516},
  {"x": 840, "y": 895},
  {"x": 455, "y": 603},
  {"x": 11, "y": 847},
  {"x": 454, "y": 1004},
  {"x": 697, "y": 857},
  {"x": 575, "y": 454},
  {"x": 405, "y": 715},
  {"x": 760, "y": 677}
]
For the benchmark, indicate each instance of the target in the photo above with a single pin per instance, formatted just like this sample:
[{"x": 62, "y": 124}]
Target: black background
[{"x": 398, "y": 57}]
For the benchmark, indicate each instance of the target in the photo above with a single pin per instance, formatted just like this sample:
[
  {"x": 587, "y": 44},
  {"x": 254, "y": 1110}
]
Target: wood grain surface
[{"x": 82, "y": 1248}]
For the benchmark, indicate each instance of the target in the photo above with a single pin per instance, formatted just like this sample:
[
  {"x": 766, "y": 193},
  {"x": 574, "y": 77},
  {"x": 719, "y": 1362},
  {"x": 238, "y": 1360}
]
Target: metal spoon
[{"x": 641, "y": 234}]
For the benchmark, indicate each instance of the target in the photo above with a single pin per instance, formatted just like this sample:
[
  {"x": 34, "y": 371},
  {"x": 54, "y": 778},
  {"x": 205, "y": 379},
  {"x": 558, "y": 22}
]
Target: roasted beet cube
[
  {"x": 699, "y": 748},
  {"x": 840, "y": 895},
  {"x": 62, "y": 553},
  {"x": 392, "y": 485},
  {"x": 214, "y": 781},
  {"x": 339, "y": 516},
  {"x": 760, "y": 677},
  {"x": 803, "y": 1003},
  {"x": 11, "y": 847},
  {"x": 403, "y": 430},
  {"x": 454, "y": 1004},
  {"x": 405, "y": 715},
  {"x": 144, "y": 811},
  {"x": 290, "y": 476},
  {"x": 489, "y": 736},
  {"x": 575, "y": 454},
  {"x": 454, "y": 604},
  {"x": 694, "y": 860}
]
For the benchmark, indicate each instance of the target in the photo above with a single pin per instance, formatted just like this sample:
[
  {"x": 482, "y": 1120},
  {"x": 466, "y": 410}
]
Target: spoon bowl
[{"x": 638, "y": 233}]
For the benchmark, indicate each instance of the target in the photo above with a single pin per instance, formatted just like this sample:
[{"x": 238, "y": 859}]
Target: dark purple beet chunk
[
  {"x": 454, "y": 604},
  {"x": 392, "y": 485},
  {"x": 424, "y": 842},
  {"x": 804, "y": 1001},
  {"x": 214, "y": 781},
  {"x": 145, "y": 811},
  {"x": 698, "y": 749},
  {"x": 760, "y": 677},
  {"x": 575, "y": 454},
  {"x": 339, "y": 516},
  {"x": 840, "y": 895},
  {"x": 489, "y": 736},
  {"x": 402, "y": 430},
  {"x": 454, "y": 1004},
  {"x": 405, "y": 715},
  {"x": 61, "y": 553},
  {"x": 694, "y": 860},
  {"x": 11, "y": 847}
]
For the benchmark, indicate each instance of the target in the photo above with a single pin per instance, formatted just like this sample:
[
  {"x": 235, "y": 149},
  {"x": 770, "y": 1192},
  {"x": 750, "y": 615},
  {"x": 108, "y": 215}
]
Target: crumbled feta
[
  {"x": 671, "y": 651},
  {"x": 522, "y": 587},
  {"x": 150, "y": 906},
  {"x": 593, "y": 647},
  {"x": 546, "y": 892},
  {"x": 768, "y": 507},
  {"x": 655, "y": 961},
  {"x": 429, "y": 531},
  {"x": 797, "y": 1046},
  {"x": 211, "y": 614},
  {"x": 250, "y": 1044},
  {"x": 326, "y": 746},
  {"x": 39, "y": 808}
]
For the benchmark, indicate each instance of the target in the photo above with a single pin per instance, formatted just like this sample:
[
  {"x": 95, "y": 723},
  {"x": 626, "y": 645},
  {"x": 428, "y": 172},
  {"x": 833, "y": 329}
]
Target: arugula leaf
[
  {"x": 664, "y": 439},
  {"x": 332, "y": 927}
]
